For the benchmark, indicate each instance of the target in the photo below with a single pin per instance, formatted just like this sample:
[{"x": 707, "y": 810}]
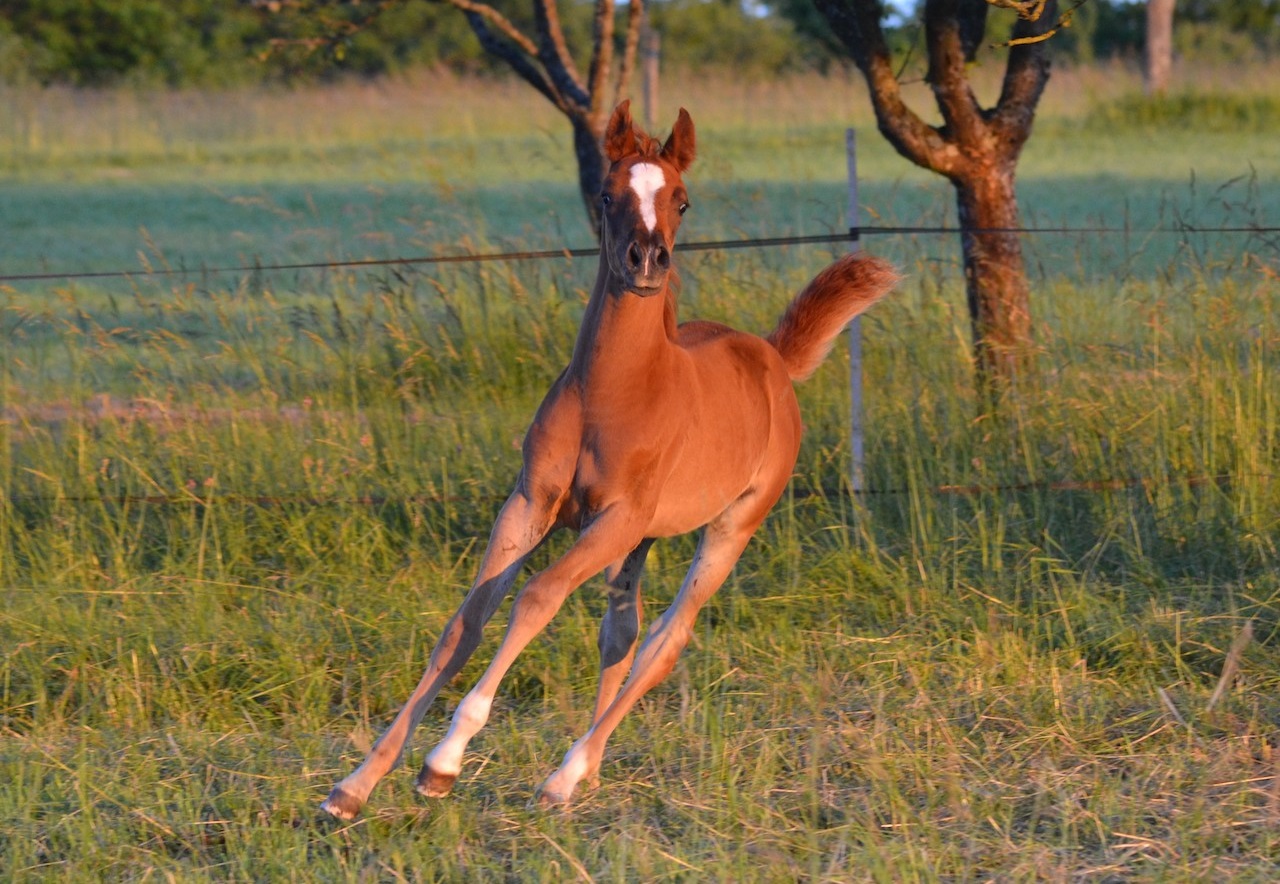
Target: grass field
[{"x": 236, "y": 509}]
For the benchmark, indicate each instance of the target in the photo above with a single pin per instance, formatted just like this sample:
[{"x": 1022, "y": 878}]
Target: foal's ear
[
  {"x": 681, "y": 148},
  {"x": 620, "y": 134}
]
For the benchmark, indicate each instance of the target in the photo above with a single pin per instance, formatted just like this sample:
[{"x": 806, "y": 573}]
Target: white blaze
[{"x": 646, "y": 180}]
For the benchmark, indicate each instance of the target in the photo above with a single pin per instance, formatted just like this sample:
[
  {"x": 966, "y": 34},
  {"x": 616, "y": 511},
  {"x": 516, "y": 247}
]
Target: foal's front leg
[
  {"x": 718, "y": 551},
  {"x": 613, "y": 531},
  {"x": 520, "y": 527}
]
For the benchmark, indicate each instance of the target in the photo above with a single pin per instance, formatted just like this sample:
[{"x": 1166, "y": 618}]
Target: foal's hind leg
[
  {"x": 520, "y": 527},
  {"x": 620, "y": 626},
  {"x": 721, "y": 546}
]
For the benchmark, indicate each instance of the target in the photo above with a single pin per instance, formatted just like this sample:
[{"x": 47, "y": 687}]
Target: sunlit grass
[
  {"x": 130, "y": 180},
  {"x": 235, "y": 513},
  {"x": 220, "y": 581},
  {"x": 430, "y": 127}
]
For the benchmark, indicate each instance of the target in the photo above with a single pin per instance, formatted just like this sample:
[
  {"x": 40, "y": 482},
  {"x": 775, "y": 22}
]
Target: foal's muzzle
[{"x": 648, "y": 264}]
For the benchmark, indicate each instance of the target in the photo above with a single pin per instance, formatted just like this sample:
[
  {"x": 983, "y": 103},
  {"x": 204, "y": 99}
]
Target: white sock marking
[
  {"x": 468, "y": 718},
  {"x": 646, "y": 180}
]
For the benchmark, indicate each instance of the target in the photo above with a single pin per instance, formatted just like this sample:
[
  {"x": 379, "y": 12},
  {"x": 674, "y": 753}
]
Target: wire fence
[{"x": 853, "y": 234}]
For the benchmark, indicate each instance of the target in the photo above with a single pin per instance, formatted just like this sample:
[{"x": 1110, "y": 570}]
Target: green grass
[
  {"x": 130, "y": 180},
  {"x": 1201, "y": 111},
  {"x": 236, "y": 511}
]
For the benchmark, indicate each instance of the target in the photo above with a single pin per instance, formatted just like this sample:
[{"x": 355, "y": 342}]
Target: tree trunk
[
  {"x": 592, "y": 166},
  {"x": 1159, "y": 45},
  {"x": 545, "y": 63},
  {"x": 994, "y": 273},
  {"x": 976, "y": 149}
]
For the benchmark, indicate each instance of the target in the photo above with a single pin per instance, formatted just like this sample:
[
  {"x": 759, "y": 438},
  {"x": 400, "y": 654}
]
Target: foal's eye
[
  {"x": 605, "y": 199},
  {"x": 684, "y": 207}
]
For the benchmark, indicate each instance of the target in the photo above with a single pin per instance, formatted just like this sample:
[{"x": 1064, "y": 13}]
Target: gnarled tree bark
[
  {"x": 975, "y": 148},
  {"x": 545, "y": 62}
]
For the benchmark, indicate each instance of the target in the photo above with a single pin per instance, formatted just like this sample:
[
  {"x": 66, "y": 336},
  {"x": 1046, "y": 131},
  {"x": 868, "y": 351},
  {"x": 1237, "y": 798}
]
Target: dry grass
[
  {"x": 217, "y": 582},
  {"x": 59, "y": 124}
]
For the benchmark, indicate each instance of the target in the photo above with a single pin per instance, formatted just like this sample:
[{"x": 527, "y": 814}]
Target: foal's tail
[{"x": 814, "y": 319}]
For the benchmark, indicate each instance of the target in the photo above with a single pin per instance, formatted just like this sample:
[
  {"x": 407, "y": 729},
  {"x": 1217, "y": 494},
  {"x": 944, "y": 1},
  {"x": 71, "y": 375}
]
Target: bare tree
[
  {"x": 1159, "y": 45},
  {"x": 544, "y": 61},
  {"x": 975, "y": 148},
  {"x": 542, "y": 58}
]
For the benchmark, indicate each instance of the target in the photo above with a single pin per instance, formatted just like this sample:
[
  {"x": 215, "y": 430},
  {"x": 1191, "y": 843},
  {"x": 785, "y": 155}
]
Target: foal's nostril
[
  {"x": 663, "y": 257},
  {"x": 634, "y": 256}
]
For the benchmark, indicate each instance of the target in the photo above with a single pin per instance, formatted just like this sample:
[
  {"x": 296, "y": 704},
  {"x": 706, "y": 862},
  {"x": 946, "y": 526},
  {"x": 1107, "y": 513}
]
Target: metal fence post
[
  {"x": 856, "y": 476},
  {"x": 650, "y": 59}
]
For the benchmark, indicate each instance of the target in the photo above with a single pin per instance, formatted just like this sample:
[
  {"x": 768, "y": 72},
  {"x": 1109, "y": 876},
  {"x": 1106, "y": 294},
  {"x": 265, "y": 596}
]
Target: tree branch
[
  {"x": 857, "y": 24},
  {"x": 635, "y": 21},
  {"x": 973, "y": 26},
  {"x": 546, "y": 65},
  {"x": 515, "y": 52},
  {"x": 1025, "y": 77},
  {"x": 948, "y": 26},
  {"x": 553, "y": 52},
  {"x": 1028, "y": 10},
  {"x": 601, "y": 57},
  {"x": 498, "y": 20}
]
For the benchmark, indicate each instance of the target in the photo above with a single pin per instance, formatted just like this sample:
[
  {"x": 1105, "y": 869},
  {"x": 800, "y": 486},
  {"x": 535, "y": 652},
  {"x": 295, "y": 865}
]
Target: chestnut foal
[{"x": 654, "y": 429}]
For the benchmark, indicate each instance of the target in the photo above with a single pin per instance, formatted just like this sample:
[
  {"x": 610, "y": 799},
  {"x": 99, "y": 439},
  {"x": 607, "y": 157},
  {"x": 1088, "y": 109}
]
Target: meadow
[{"x": 237, "y": 508}]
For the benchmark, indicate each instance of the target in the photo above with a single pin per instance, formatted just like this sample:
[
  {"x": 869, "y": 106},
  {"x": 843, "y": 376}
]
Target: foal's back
[{"x": 739, "y": 425}]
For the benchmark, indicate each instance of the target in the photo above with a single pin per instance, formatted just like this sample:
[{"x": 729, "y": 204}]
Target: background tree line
[{"x": 227, "y": 42}]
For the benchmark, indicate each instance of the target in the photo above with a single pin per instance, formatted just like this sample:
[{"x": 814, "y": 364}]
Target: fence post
[
  {"x": 856, "y": 476},
  {"x": 650, "y": 55}
]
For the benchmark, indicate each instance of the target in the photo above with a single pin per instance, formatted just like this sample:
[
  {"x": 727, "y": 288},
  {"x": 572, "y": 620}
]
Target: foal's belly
[
  {"x": 690, "y": 509},
  {"x": 672, "y": 489}
]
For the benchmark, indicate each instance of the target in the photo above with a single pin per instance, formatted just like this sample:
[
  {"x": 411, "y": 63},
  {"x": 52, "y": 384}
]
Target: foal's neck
[{"x": 621, "y": 332}]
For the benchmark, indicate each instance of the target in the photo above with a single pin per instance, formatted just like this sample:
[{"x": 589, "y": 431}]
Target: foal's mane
[{"x": 647, "y": 146}]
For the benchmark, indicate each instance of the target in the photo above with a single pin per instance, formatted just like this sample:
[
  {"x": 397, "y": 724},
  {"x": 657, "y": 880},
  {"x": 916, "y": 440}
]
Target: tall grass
[
  {"x": 430, "y": 127},
  {"x": 130, "y": 180},
  {"x": 235, "y": 514},
  {"x": 221, "y": 579}
]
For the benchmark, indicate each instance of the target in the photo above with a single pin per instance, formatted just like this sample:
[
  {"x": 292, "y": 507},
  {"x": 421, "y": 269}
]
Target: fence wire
[{"x": 853, "y": 234}]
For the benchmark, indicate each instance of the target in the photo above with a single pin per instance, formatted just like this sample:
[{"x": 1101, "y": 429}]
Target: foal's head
[{"x": 643, "y": 199}]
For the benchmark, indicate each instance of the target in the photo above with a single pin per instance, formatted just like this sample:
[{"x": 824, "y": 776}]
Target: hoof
[
  {"x": 435, "y": 785},
  {"x": 551, "y": 799},
  {"x": 343, "y": 805}
]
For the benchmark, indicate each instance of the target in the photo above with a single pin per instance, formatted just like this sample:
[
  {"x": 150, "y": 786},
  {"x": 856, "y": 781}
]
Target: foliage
[
  {"x": 1257, "y": 17},
  {"x": 1213, "y": 41},
  {"x": 1200, "y": 111},
  {"x": 94, "y": 43},
  {"x": 211, "y": 42},
  {"x": 1097, "y": 29},
  {"x": 1102, "y": 29},
  {"x": 208, "y": 41},
  {"x": 309, "y": 40},
  {"x": 699, "y": 33},
  {"x": 235, "y": 511},
  {"x": 1204, "y": 30}
]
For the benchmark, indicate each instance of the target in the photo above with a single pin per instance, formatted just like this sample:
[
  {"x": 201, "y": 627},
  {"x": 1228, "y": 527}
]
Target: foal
[{"x": 654, "y": 429}]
